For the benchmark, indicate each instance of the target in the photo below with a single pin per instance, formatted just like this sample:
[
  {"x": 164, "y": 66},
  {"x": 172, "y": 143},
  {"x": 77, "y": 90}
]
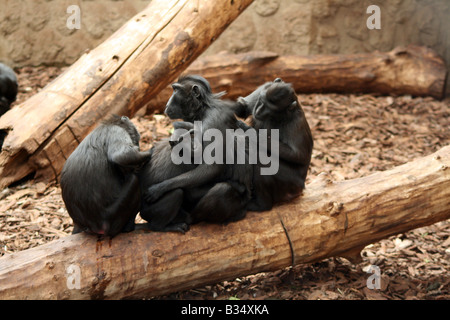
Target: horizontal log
[
  {"x": 413, "y": 70},
  {"x": 330, "y": 219},
  {"x": 119, "y": 76}
]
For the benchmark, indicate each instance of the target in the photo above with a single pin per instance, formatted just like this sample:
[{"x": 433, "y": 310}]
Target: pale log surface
[
  {"x": 119, "y": 76},
  {"x": 330, "y": 219},
  {"x": 413, "y": 70}
]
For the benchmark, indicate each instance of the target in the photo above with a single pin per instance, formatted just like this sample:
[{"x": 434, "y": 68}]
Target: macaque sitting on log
[
  {"x": 99, "y": 181},
  {"x": 214, "y": 191},
  {"x": 274, "y": 107}
]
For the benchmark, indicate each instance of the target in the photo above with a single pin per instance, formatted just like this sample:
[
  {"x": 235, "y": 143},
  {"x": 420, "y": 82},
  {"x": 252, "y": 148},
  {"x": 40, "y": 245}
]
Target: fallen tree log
[
  {"x": 330, "y": 219},
  {"x": 413, "y": 70},
  {"x": 119, "y": 76}
]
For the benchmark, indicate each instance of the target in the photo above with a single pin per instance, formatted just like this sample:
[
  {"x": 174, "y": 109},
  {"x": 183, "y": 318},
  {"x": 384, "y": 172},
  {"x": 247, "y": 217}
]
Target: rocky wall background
[{"x": 34, "y": 32}]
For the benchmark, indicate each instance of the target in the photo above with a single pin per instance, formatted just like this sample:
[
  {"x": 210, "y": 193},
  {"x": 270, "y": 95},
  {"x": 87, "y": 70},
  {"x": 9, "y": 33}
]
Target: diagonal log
[
  {"x": 330, "y": 219},
  {"x": 119, "y": 76}
]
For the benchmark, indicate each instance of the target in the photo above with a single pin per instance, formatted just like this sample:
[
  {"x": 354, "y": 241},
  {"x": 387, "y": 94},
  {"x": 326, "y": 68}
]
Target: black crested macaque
[
  {"x": 216, "y": 192},
  {"x": 8, "y": 88},
  {"x": 166, "y": 213},
  {"x": 8, "y": 93},
  {"x": 99, "y": 181},
  {"x": 274, "y": 105}
]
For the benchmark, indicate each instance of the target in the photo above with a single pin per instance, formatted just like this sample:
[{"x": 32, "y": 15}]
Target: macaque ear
[{"x": 196, "y": 91}]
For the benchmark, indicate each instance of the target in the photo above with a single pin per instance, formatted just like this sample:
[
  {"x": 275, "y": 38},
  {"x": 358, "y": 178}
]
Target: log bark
[
  {"x": 413, "y": 70},
  {"x": 119, "y": 76},
  {"x": 330, "y": 219}
]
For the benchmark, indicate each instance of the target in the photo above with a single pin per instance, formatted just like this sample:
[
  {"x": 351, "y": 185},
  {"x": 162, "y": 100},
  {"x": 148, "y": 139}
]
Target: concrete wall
[
  {"x": 338, "y": 26},
  {"x": 35, "y": 31}
]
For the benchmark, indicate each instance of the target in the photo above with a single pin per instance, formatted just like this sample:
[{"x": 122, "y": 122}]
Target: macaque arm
[
  {"x": 200, "y": 175},
  {"x": 128, "y": 156}
]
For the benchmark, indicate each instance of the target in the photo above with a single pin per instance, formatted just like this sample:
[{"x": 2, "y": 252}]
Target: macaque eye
[
  {"x": 259, "y": 108},
  {"x": 293, "y": 106},
  {"x": 176, "y": 86}
]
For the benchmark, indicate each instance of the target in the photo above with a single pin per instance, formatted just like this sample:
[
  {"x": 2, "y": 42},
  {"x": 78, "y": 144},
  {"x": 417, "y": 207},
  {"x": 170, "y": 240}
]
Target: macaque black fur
[
  {"x": 274, "y": 105},
  {"x": 8, "y": 88},
  {"x": 8, "y": 93},
  {"x": 164, "y": 214},
  {"x": 99, "y": 181},
  {"x": 216, "y": 193}
]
